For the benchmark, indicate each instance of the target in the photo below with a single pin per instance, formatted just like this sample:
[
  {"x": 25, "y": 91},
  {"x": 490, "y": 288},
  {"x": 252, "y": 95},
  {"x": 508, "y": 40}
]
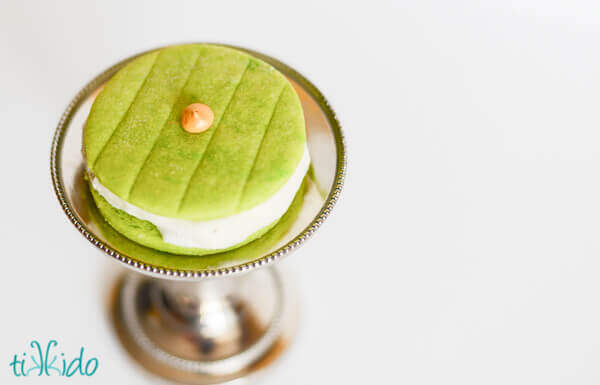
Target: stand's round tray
[{"x": 328, "y": 156}]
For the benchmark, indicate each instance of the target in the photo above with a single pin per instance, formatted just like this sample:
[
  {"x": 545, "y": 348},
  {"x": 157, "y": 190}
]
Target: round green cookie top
[{"x": 136, "y": 147}]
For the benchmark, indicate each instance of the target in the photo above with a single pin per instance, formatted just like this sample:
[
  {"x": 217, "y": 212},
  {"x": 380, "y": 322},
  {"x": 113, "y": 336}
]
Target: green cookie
[{"x": 135, "y": 145}]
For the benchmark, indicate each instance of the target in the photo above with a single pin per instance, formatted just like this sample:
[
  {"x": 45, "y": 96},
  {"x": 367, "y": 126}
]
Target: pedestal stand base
[{"x": 205, "y": 332}]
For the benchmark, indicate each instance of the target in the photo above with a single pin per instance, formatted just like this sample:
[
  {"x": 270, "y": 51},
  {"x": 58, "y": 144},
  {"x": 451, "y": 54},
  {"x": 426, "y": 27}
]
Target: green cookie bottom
[{"x": 113, "y": 224}]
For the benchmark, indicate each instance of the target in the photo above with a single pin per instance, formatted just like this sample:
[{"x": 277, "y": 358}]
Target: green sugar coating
[
  {"x": 136, "y": 147},
  {"x": 106, "y": 216}
]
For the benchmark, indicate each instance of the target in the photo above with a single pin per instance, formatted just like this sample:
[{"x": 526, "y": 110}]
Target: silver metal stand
[
  {"x": 219, "y": 322},
  {"x": 209, "y": 331}
]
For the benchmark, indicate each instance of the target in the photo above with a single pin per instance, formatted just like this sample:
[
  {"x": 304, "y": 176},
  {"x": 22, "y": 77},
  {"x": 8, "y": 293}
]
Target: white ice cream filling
[{"x": 218, "y": 233}]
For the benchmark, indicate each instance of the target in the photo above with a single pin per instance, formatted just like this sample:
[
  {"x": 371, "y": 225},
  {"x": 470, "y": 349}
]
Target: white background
[{"x": 465, "y": 247}]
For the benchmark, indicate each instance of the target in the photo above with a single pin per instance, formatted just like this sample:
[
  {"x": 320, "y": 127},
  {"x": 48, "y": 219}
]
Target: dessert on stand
[{"x": 198, "y": 167}]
